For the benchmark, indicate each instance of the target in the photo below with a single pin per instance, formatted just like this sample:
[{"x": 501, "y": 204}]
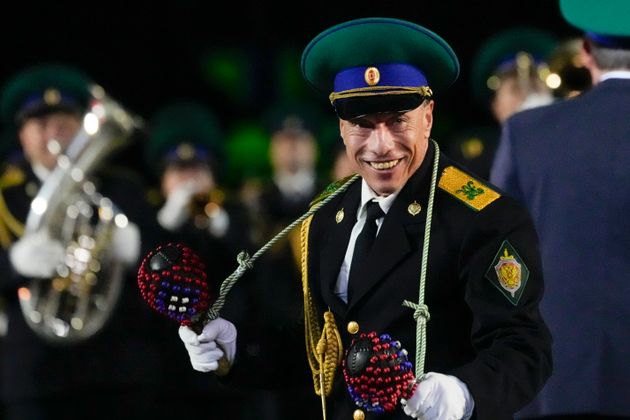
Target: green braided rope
[
  {"x": 421, "y": 311},
  {"x": 246, "y": 262}
]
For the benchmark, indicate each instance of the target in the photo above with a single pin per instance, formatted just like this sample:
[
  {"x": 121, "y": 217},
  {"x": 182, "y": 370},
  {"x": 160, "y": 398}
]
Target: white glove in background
[
  {"x": 175, "y": 212},
  {"x": 439, "y": 397},
  {"x": 126, "y": 244},
  {"x": 217, "y": 339},
  {"x": 36, "y": 255}
]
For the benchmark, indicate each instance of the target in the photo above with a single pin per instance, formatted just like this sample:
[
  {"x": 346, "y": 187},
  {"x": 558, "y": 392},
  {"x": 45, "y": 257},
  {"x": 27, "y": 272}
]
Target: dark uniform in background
[
  {"x": 275, "y": 340},
  {"x": 568, "y": 163},
  {"x": 185, "y": 153},
  {"x": 484, "y": 329},
  {"x": 117, "y": 372}
]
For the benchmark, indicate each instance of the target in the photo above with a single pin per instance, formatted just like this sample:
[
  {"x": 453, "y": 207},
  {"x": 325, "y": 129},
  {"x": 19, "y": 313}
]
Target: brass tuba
[{"x": 74, "y": 304}]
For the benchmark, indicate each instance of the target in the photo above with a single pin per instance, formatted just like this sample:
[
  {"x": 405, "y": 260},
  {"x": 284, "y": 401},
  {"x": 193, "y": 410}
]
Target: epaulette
[
  {"x": 12, "y": 175},
  {"x": 331, "y": 188},
  {"x": 474, "y": 193}
]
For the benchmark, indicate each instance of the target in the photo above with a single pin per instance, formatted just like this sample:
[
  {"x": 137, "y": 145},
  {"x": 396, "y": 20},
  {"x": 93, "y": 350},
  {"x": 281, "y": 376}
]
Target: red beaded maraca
[
  {"x": 377, "y": 372},
  {"x": 173, "y": 282}
]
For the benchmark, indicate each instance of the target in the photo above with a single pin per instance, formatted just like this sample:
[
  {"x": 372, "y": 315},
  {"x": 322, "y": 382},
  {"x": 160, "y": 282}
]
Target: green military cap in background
[
  {"x": 42, "y": 89},
  {"x": 378, "y": 64},
  {"x": 501, "y": 53},
  {"x": 604, "y": 17},
  {"x": 292, "y": 114},
  {"x": 184, "y": 131}
]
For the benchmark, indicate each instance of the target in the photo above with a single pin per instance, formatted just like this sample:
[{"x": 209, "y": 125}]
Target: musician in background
[
  {"x": 116, "y": 372},
  {"x": 184, "y": 153},
  {"x": 509, "y": 74},
  {"x": 274, "y": 341}
]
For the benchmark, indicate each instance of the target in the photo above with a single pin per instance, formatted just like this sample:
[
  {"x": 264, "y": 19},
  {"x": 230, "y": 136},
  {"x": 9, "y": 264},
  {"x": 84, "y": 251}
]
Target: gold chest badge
[
  {"x": 414, "y": 208},
  {"x": 339, "y": 216}
]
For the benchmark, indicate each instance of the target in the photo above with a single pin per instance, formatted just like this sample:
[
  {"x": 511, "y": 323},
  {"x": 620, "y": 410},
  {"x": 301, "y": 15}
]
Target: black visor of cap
[{"x": 349, "y": 108}]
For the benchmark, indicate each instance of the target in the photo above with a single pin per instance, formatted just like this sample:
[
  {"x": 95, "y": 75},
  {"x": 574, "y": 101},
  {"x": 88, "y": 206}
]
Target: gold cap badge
[
  {"x": 185, "y": 151},
  {"x": 52, "y": 96},
  {"x": 372, "y": 76}
]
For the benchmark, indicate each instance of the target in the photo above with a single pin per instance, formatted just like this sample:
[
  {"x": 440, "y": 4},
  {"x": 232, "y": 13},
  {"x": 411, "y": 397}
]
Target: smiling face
[{"x": 388, "y": 148}]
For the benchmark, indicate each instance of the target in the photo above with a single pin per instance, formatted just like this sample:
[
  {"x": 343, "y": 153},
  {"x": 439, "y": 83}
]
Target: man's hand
[
  {"x": 217, "y": 341},
  {"x": 439, "y": 397},
  {"x": 175, "y": 210}
]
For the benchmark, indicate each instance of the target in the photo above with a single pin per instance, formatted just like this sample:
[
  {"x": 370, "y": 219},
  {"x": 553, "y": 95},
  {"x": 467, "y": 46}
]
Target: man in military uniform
[
  {"x": 509, "y": 74},
  {"x": 568, "y": 163},
  {"x": 454, "y": 265},
  {"x": 116, "y": 371},
  {"x": 185, "y": 153}
]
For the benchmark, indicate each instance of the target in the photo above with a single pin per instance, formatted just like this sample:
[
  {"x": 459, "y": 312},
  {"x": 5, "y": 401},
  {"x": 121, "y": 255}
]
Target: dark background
[{"x": 146, "y": 54}]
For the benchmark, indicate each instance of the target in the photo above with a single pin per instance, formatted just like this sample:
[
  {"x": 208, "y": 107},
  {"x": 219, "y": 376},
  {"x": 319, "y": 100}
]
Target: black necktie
[{"x": 366, "y": 237}]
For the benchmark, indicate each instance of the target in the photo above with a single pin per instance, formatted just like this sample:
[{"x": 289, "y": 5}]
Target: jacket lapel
[
  {"x": 393, "y": 243},
  {"x": 335, "y": 246}
]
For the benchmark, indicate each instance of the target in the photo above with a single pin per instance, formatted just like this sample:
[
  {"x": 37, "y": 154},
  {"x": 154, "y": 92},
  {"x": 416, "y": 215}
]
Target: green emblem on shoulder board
[
  {"x": 331, "y": 188},
  {"x": 508, "y": 273},
  {"x": 474, "y": 193}
]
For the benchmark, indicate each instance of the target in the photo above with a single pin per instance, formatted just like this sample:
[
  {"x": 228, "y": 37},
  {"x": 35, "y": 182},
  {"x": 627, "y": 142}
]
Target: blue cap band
[
  {"x": 198, "y": 154},
  {"x": 609, "y": 41},
  {"x": 36, "y": 100},
  {"x": 395, "y": 75}
]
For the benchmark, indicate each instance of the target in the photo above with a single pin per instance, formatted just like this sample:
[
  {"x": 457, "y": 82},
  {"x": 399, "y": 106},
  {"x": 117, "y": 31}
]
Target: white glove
[
  {"x": 36, "y": 255},
  {"x": 218, "y": 339},
  {"x": 439, "y": 397},
  {"x": 126, "y": 244},
  {"x": 175, "y": 212},
  {"x": 219, "y": 222}
]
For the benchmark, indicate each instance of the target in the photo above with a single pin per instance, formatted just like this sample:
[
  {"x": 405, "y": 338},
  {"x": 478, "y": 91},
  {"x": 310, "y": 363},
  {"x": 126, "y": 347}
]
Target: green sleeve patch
[
  {"x": 508, "y": 273},
  {"x": 474, "y": 193}
]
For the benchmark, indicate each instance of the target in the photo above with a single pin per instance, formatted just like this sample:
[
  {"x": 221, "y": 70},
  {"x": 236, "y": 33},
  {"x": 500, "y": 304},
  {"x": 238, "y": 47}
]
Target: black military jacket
[{"x": 486, "y": 332}]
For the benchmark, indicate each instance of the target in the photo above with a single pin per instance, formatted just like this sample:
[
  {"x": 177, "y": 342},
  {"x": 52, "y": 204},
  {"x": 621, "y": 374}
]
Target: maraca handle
[{"x": 224, "y": 365}]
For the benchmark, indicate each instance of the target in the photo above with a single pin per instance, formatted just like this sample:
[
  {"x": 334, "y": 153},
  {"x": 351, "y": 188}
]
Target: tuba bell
[{"x": 78, "y": 300}]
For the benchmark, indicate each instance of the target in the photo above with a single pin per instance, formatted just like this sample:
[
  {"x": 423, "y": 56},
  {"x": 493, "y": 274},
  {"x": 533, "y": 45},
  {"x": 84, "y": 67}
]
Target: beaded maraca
[
  {"x": 173, "y": 282},
  {"x": 377, "y": 372}
]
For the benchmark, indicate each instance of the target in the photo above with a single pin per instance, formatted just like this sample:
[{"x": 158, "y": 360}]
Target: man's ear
[{"x": 428, "y": 116}]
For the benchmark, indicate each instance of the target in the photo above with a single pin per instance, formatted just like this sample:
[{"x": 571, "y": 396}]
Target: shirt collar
[
  {"x": 368, "y": 194},
  {"x": 615, "y": 74}
]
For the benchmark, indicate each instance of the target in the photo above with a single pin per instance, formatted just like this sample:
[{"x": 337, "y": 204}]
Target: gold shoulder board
[
  {"x": 12, "y": 176},
  {"x": 474, "y": 193},
  {"x": 331, "y": 188}
]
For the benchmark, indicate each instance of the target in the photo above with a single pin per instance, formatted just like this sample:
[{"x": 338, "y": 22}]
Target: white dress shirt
[{"x": 367, "y": 194}]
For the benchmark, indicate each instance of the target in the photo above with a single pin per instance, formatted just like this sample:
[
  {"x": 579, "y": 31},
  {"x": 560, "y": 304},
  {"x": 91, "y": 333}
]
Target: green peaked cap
[
  {"x": 404, "y": 52},
  {"x": 184, "y": 122},
  {"x": 44, "y": 88},
  {"x": 500, "y": 51},
  {"x": 604, "y": 17}
]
